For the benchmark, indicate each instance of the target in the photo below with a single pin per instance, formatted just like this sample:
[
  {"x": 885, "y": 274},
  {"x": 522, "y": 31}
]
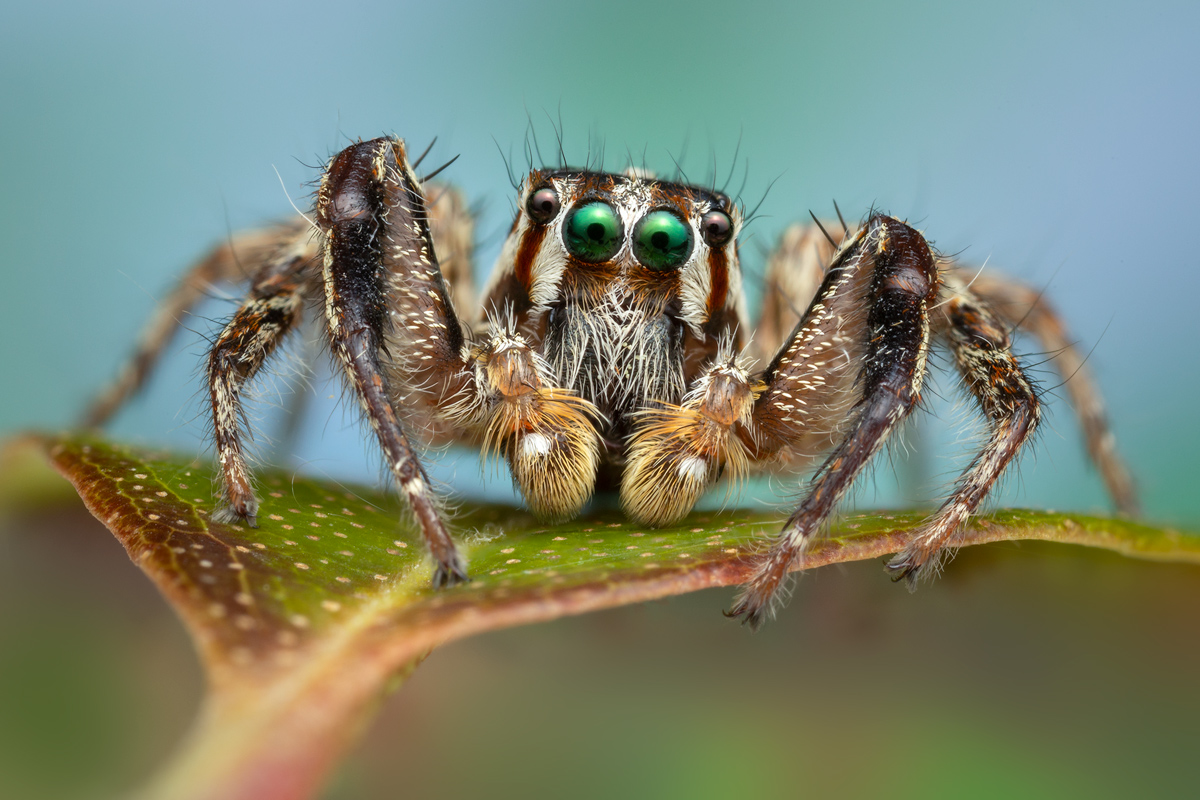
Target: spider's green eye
[
  {"x": 594, "y": 232},
  {"x": 662, "y": 241}
]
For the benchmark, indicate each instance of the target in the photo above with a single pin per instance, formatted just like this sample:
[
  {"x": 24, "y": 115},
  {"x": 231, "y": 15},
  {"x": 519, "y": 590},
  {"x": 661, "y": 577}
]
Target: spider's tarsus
[
  {"x": 902, "y": 568},
  {"x": 452, "y": 574},
  {"x": 231, "y": 514},
  {"x": 755, "y": 603},
  {"x": 751, "y": 618}
]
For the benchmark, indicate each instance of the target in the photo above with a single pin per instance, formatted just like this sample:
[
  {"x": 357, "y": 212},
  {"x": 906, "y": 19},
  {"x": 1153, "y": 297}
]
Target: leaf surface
[{"x": 302, "y": 622}]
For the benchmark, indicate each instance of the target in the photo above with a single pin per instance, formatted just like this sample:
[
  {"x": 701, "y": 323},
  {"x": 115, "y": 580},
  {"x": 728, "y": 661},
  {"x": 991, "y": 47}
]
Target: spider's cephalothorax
[
  {"x": 623, "y": 285},
  {"x": 611, "y": 348}
]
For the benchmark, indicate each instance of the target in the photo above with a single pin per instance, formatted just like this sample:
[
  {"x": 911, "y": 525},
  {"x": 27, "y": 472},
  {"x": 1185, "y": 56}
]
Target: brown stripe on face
[
  {"x": 531, "y": 242},
  {"x": 718, "y": 280}
]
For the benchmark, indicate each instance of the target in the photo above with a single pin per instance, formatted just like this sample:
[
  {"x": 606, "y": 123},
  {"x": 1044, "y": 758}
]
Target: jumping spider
[{"x": 612, "y": 350}]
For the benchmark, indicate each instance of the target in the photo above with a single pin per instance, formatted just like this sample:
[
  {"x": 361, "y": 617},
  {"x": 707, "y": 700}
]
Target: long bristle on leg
[
  {"x": 982, "y": 351},
  {"x": 903, "y": 281}
]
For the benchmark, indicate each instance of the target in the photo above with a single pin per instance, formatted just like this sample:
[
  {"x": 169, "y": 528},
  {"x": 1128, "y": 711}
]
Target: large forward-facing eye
[
  {"x": 593, "y": 232},
  {"x": 717, "y": 228},
  {"x": 662, "y": 241},
  {"x": 543, "y": 205}
]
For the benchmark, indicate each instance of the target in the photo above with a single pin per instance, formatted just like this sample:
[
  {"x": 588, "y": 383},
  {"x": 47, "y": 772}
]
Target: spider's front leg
[
  {"x": 888, "y": 269},
  {"x": 389, "y": 313},
  {"x": 393, "y": 326}
]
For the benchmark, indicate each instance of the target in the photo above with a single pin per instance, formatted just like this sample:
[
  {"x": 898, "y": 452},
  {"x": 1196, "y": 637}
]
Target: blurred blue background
[{"x": 1056, "y": 141}]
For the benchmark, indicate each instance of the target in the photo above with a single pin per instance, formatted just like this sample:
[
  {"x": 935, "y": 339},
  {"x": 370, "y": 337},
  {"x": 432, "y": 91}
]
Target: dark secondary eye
[
  {"x": 662, "y": 241},
  {"x": 593, "y": 232},
  {"x": 717, "y": 228},
  {"x": 543, "y": 205}
]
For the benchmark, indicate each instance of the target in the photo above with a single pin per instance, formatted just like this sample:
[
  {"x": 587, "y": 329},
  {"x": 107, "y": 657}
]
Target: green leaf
[{"x": 303, "y": 622}]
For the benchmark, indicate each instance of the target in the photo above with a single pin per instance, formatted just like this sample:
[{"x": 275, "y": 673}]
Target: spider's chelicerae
[{"x": 612, "y": 350}]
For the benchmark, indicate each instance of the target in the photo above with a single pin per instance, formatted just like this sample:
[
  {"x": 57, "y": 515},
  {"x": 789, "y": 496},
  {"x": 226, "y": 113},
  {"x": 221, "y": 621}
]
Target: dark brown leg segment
[
  {"x": 903, "y": 283},
  {"x": 265, "y": 318},
  {"x": 383, "y": 291},
  {"x": 233, "y": 261},
  {"x": 982, "y": 352}
]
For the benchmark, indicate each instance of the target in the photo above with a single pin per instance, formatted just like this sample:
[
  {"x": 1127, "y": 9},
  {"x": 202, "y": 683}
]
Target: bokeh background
[{"x": 1055, "y": 141}]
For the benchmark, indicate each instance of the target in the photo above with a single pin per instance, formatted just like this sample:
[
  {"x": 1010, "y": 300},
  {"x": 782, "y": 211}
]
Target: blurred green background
[{"x": 1055, "y": 141}]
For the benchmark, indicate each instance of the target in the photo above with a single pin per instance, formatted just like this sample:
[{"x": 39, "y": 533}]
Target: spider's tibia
[
  {"x": 547, "y": 435},
  {"x": 250, "y": 252},
  {"x": 677, "y": 452}
]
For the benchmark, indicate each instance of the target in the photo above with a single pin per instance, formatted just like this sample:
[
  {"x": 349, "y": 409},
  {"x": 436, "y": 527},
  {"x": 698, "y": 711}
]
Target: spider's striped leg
[
  {"x": 390, "y": 319},
  {"x": 889, "y": 266},
  {"x": 233, "y": 261},
  {"x": 247, "y": 341},
  {"x": 1020, "y": 307},
  {"x": 982, "y": 352}
]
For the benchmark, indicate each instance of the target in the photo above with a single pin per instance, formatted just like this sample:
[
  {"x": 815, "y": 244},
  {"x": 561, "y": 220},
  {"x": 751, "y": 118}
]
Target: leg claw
[
  {"x": 752, "y": 617},
  {"x": 450, "y": 574},
  {"x": 754, "y": 604}
]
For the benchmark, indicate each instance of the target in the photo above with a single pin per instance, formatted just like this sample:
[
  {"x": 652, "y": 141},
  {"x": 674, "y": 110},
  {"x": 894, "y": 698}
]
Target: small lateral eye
[
  {"x": 717, "y": 228},
  {"x": 543, "y": 205},
  {"x": 593, "y": 232},
  {"x": 662, "y": 241}
]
